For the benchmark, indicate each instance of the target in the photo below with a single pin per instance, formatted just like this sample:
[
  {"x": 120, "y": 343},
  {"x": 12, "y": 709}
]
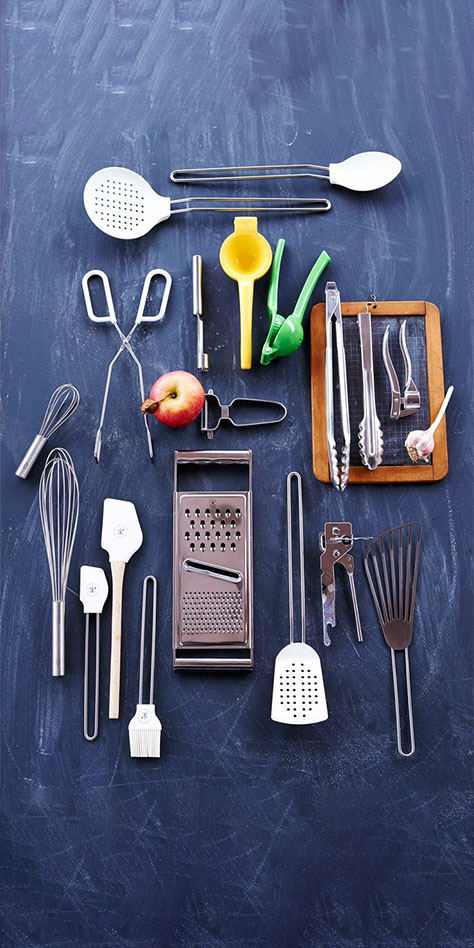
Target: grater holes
[
  {"x": 187, "y": 512},
  {"x": 212, "y": 547},
  {"x": 207, "y": 512},
  {"x": 233, "y": 547},
  {"x": 209, "y": 615},
  {"x": 218, "y": 511}
]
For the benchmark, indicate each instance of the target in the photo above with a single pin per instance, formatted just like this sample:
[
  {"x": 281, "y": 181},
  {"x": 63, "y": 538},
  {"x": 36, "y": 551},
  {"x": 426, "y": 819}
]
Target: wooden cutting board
[{"x": 424, "y": 346}]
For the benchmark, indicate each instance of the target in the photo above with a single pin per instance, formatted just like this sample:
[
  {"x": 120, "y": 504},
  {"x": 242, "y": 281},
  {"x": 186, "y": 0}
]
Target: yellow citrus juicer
[{"x": 245, "y": 256}]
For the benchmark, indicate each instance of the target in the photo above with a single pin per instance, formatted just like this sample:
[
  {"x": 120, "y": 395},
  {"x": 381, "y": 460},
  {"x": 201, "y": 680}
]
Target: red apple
[{"x": 176, "y": 399}]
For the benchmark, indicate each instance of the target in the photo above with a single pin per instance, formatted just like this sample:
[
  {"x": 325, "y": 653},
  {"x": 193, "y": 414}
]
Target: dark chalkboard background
[{"x": 244, "y": 833}]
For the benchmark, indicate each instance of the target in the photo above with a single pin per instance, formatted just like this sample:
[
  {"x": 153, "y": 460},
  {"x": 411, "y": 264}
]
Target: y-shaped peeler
[
  {"x": 409, "y": 402},
  {"x": 286, "y": 335},
  {"x": 335, "y": 544}
]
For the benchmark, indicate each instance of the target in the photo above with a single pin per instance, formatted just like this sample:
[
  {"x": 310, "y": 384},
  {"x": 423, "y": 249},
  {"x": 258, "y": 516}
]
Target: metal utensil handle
[
  {"x": 118, "y": 570},
  {"x": 143, "y": 298},
  {"x": 202, "y": 357},
  {"x": 245, "y": 205},
  {"x": 110, "y": 317},
  {"x": 212, "y": 457},
  {"x": 411, "y": 751},
  {"x": 88, "y": 736},
  {"x": 291, "y": 604},
  {"x": 154, "y": 584},
  {"x": 58, "y": 638},
  {"x": 197, "y": 285},
  {"x": 198, "y": 175}
]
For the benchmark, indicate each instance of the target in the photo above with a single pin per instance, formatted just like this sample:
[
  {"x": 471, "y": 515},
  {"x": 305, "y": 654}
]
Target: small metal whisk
[
  {"x": 62, "y": 404},
  {"x": 59, "y": 510}
]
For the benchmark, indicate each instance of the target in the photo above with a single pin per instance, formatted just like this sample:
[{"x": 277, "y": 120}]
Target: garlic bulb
[{"x": 420, "y": 444}]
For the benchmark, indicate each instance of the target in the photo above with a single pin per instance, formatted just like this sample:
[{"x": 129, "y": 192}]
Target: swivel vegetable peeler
[
  {"x": 409, "y": 402},
  {"x": 214, "y": 411},
  {"x": 285, "y": 335},
  {"x": 335, "y": 544}
]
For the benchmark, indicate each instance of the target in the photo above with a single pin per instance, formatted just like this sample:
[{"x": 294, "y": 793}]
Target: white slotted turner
[
  {"x": 121, "y": 537},
  {"x": 298, "y": 686}
]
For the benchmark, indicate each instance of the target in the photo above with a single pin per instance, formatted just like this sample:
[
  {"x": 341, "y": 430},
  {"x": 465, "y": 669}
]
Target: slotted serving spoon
[
  {"x": 122, "y": 204},
  {"x": 298, "y": 686},
  {"x": 366, "y": 171}
]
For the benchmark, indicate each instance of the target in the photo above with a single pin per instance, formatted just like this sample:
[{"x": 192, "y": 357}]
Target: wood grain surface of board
[{"x": 420, "y": 473}]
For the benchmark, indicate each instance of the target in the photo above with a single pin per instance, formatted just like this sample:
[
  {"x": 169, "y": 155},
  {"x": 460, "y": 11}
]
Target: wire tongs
[
  {"x": 409, "y": 402},
  {"x": 335, "y": 544},
  {"x": 339, "y": 468}
]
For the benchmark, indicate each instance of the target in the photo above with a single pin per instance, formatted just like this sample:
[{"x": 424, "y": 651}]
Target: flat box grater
[{"x": 212, "y": 570}]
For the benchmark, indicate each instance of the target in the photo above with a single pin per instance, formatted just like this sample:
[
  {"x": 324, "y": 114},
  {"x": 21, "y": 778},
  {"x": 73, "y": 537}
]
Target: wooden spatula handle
[{"x": 118, "y": 570}]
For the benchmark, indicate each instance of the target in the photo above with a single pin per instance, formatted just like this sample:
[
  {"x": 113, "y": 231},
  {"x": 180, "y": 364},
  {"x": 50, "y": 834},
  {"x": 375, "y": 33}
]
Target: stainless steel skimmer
[
  {"x": 339, "y": 466},
  {"x": 298, "y": 686},
  {"x": 370, "y": 431},
  {"x": 212, "y": 568}
]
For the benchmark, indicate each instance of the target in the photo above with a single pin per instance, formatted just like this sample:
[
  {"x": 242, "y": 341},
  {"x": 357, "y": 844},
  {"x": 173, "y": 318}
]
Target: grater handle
[{"x": 212, "y": 457}]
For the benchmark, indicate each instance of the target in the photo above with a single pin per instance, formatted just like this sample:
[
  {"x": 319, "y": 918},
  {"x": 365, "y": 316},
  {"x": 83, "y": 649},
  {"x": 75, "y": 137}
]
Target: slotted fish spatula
[
  {"x": 121, "y": 537},
  {"x": 298, "y": 686}
]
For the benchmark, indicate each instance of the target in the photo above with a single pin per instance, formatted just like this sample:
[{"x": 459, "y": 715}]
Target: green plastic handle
[
  {"x": 272, "y": 298},
  {"x": 312, "y": 279}
]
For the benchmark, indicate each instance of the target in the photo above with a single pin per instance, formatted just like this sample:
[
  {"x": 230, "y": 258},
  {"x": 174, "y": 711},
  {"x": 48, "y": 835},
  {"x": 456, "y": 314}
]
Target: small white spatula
[
  {"x": 121, "y": 537},
  {"x": 298, "y": 686}
]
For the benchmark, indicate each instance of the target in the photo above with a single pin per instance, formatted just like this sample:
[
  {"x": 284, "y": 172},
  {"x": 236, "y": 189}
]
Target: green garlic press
[{"x": 286, "y": 334}]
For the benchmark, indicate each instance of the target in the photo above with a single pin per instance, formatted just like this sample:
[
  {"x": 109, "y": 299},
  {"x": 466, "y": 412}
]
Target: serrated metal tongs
[
  {"x": 370, "y": 430},
  {"x": 339, "y": 467}
]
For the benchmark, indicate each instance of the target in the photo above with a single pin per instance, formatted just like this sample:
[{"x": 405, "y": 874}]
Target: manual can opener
[{"x": 335, "y": 545}]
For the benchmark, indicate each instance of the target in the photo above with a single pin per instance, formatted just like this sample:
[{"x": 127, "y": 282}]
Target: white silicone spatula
[{"x": 121, "y": 537}]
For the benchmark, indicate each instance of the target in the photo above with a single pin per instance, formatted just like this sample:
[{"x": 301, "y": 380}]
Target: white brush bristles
[{"x": 144, "y": 732}]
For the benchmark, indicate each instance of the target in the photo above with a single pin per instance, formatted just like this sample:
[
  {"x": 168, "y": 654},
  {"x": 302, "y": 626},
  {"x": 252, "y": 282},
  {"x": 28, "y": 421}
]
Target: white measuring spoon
[
  {"x": 366, "y": 171},
  {"x": 122, "y": 204}
]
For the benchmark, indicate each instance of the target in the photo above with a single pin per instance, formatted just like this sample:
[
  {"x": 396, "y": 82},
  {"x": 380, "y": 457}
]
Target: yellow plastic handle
[
  {"x": 245, "y": 225},
  {"x": 246, "y": 303}
]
